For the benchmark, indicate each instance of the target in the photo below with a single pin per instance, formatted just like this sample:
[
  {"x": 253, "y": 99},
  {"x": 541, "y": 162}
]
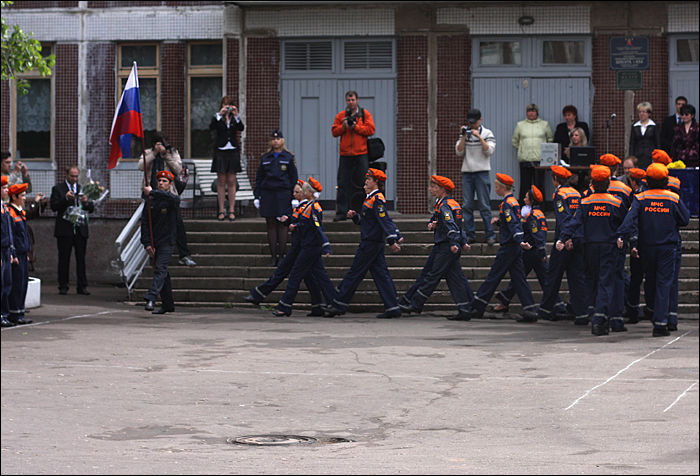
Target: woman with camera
[{"x": 226, "y": 161}]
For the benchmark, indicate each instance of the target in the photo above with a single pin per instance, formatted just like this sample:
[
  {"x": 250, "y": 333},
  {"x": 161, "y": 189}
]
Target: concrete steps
[{"x": 233, "y": 257}]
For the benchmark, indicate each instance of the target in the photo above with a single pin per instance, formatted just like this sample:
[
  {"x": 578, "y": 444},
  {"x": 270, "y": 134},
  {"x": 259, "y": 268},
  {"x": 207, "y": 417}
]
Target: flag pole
[{"x": 145, "y": 176}]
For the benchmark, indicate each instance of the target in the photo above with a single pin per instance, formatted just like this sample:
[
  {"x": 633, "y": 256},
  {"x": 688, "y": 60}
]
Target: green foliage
[{"x": 21, "y": 53}]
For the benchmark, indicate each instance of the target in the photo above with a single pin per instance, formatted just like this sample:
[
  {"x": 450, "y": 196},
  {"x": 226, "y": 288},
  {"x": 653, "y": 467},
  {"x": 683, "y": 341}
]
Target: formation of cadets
[{"x": 594, "y": 232}]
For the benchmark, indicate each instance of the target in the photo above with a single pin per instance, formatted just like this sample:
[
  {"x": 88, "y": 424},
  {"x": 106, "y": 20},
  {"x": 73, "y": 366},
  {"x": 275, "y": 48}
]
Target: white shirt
[{"x": 644, "y": 127}]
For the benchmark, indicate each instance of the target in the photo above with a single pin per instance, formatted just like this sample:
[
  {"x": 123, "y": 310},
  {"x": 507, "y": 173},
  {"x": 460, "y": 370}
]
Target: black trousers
[
  {"x": 65, "y": 248},
  {"x": 161, "y": 278},
  {"x": 352, "y": 171},
  {"x": 529, "y": 176}
]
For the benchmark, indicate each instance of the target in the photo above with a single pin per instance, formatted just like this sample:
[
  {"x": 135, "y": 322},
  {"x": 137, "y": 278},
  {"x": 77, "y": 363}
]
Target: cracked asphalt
[{"x": 96, "y": 386}]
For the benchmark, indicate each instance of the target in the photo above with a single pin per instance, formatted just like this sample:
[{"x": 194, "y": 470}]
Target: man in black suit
[
  {"x": 68, "y": 235},
  {"x": 670, "y": 123}
]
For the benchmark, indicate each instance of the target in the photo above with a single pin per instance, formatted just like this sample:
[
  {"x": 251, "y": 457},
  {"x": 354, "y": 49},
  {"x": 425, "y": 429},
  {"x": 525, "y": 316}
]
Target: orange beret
[
  {"x": 4, "y": 179},
  {"x": 657, "y": 171},
  {"x": 610, "y": 160},
  {"x": 18, "y": 188},
  {"x": 600, "y": 174},
  {"x": 376, "y": 174},
  {"x": 536, "y": 194},
  {"x": 660, "y": 157},
  {"x": 300, "y": 182},
  {"x": 505, "y": 179},
  {"x": 637, "y": 173},
  {"x": 165, "y": 174},
  {"x": 560, "y": 171},
  {"x": 315, "y": 184},
  {"x": 444, "y": 182}
]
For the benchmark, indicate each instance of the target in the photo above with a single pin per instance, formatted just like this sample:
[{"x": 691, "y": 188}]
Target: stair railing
[{"x": 131, "y": 255}]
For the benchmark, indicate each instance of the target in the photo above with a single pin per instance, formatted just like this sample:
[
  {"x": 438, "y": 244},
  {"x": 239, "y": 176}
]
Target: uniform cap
[
  {"x": 315, "y": 184},
  {"x": 637, "y": 173},
  {"x": 165, "y": 174},
  {"x": 657, "y": 171},
  {"x": 376, "y": 174},
  {"x": 444, "y": 182},
  {"x": 300, "y": 182},
  {"x": 660, "y": 157},
  {"x": 277, "y": 134},
  {"x": 505, "y": 179},
  {"x": 600, "y": 174},
  {"x": 4, "y": 179},
  {"x": 610, "y": 160},
  {"x": 18, "y": 188},
  {"x": 560, "y": 171},
  {"x": 536, "y": 194}
]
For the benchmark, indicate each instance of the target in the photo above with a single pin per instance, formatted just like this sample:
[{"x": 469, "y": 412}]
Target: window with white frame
[{"x": 204, "y": 86}]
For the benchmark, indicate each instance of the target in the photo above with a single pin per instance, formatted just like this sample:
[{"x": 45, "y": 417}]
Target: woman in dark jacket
[
  {"x": 274, "y": 190},
  {"x": 227, "y": 154},
  {"x": 562, "y": 134},
  {"x": 645, "y": 136},
  {"x": 686, "y": 139}
]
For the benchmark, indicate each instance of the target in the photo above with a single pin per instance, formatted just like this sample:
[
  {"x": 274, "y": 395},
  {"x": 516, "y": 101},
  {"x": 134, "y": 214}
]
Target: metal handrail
[{"x": 131, "y": 255}]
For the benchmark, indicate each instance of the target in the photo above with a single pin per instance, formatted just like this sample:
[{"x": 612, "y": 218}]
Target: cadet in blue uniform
[
  {"x": 509, "y": 257},
  {"x": 376, "y": 229},
  {"x": 8, "y": 254},
  {"x": 259, "y": 293},
  {"x": 656, "y": 215},
  {"x": 163, "y": 205},
  {"x": 633, "y": 285},
  {"x": 597, "y": 219},
  {"x": 20, "y": 268},
  {"x": 535, "y": 228},
  {"x": 274, "y": 187},
  {"x": 314, "y": 245},
  {"x": 449, "y": 239},
  {"x": 566, "y": 201}
]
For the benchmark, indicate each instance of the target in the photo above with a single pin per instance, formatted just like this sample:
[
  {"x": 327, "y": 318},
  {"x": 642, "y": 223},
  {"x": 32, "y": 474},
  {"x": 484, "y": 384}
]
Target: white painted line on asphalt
[
  {"x": 588, "y": 392},
  {"x": 679, "y": 397},
  {"x": 24, "y": 326}
]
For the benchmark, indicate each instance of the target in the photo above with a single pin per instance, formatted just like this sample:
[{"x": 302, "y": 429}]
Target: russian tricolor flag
[{"x": 127, "y": 120}]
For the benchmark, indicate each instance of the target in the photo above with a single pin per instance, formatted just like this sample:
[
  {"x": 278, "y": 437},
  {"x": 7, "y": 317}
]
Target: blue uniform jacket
[
  {"x": 276, "y": 173},
  {"x": 375, "y": 222},
  {"x": 20, "y": 231},
  {"x": 448, "y": 214},
  {"x": 656, "y": 215},
  {"x": 510, "y": 229},
  {"x": 621, "y": 191},
  {"x": 535, "y": 229},
  {"x": 164, "y": 207},
  {"x": 596, "y": 219},
  {"x": 293, "y": 220},
  {"x": 310, "y": 227},
  {"x": 7, "y": 235},
  {"x": 566, "y": 201}
]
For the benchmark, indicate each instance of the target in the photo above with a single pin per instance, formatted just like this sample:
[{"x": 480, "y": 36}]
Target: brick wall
[
  {"x": 5, "y": 115},
  {"x": 66, "y": 113},
  {"x": 411, "y": 124},
  {"x": 172, "y": 93},
  {"x": 232, "y": 63}
]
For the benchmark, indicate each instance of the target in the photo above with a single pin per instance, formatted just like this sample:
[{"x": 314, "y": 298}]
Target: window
[
  {"x": 687, "y": 50},
  {"x": 493, "y": 53},
  {"x": 563, "y": 52},
  {"x": 205, "y": 86},
  {"x": 147, "y": 62}
]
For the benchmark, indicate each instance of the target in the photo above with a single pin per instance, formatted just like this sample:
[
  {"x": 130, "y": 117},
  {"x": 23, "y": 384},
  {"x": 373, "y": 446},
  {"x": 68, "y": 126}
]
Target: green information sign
[{"x": 629, "y": 80}]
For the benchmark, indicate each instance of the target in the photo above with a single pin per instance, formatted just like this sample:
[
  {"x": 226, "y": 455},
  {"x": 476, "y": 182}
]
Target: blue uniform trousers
[
  {"x": 283, "y": 269},
  {"x": 673, "y": 308},
  {"x": 600, "y": 268},
  {"x": 509, "y": 258},
  {"x": 572, "y": 262},
  {"x": 18, "y": 293},
  {"x": 309, "y": 264},
  {"x": 659, "y": 268},
  {"x": 445, "y": 264},
  {"x": 161, "y": 278},
  {"x": 6, "y": 282},
  {"x": 369, "y": 257},
  {"x": 532, "y": 260},
  {"x": 617, "y": 304},
  {"x": 634, "y": 287}
]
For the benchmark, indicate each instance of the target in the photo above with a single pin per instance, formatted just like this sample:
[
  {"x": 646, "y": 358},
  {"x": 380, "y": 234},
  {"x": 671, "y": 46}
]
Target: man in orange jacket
[{"x": 353, "y": 125}]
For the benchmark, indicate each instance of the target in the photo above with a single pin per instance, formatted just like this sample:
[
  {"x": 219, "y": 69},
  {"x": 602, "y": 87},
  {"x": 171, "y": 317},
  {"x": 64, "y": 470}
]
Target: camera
[
  {"x": 229, "y": 108},
  {"x": 350, "y": 117},
  {"x": 167, "y": 146}
]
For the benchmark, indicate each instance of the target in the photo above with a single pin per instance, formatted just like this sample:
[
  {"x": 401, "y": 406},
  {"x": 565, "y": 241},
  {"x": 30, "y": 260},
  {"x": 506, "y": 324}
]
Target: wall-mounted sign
[
  {"x": 629, "y": 52},
  {"x": 629, "y": 80}
]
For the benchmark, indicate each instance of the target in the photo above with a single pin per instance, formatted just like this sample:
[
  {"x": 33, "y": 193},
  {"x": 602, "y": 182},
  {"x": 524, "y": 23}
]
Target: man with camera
[
  {"x": 353, "y": 126},
  {"x": 477, "y": 144},
  {"x": 17, "y": 175},
  {"x": 165, "y": 157}
]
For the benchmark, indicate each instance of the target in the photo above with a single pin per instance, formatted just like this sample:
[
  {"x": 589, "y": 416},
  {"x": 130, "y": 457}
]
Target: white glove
[
  {"x": 295, "y": 203},
  {"x": 316, "y": 195},
  {"x": 256, "y": 202},
  {"x": 525, "y": 211}
]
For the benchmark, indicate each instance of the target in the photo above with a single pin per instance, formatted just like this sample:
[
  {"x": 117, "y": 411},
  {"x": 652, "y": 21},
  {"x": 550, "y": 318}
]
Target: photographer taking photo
[{"x": 477, "y": 144}]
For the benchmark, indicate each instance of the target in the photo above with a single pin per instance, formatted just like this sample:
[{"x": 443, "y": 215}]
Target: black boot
[{"x": 150, "y": 305}]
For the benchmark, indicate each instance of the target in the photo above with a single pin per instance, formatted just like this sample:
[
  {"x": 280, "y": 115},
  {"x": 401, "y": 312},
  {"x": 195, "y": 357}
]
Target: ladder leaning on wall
[{"x": 131, "y": 255}]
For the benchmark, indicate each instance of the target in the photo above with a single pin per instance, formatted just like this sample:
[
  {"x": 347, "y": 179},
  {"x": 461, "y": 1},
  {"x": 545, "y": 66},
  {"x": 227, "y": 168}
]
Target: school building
[{"x": 417, "y": 67}]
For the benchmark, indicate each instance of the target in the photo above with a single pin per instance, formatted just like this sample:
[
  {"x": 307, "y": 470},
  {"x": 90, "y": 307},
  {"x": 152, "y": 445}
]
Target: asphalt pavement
[{"x": 97, "y": 386}]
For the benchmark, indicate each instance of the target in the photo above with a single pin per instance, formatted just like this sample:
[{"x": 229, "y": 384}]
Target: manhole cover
[{"x": 272, "y": 440}]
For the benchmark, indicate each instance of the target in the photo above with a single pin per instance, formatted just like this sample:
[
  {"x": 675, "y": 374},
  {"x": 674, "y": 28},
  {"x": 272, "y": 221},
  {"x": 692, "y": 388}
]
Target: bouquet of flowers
[{"x": 93, "y": 189}]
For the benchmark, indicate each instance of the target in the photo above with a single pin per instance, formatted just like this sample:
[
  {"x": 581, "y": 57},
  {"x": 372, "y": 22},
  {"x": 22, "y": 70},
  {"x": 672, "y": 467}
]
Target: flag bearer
[
  {"x": 656, "y": 215},
  {"x": 20, "y": 269},
  {"x": 509, "y": 257},
  {"x": 376, "y": 229}
]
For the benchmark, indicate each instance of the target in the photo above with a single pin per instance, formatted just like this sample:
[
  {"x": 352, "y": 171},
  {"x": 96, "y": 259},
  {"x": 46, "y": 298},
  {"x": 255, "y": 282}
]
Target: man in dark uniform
[
  {"x": 633, "y": 281},
  {"x": 656, "y": 216},
  {"x": 20, "y": 269},
  {"x": 160, "y": 239},
  {"x": 71, "y": 235},
  {"x": 376, "y": 229},
  {"x": 509, "y": 257},
  {"x": 8, "y": 254},
  {"x": 448, "y": 238}
]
